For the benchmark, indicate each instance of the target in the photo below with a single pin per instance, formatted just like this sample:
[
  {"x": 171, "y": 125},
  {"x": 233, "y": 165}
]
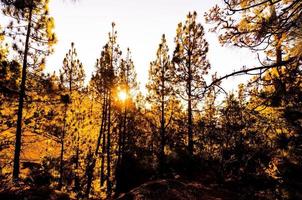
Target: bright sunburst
[{"x": 122, "y": 95}]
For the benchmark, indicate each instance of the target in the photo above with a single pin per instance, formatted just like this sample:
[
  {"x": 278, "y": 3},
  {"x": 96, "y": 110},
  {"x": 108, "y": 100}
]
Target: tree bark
[
  {"x": 91, "y": 169},
  {"x": 102, "y": 177},
  {"x": 162, "y": 123},
  {"x": 76, "y": 178},
  {"x": 119, "y": 157},
  {"x": 108, "y": 148},
  {"x": 16, "y": 169},
  {"x": 190, "y": 121},
  {"x": 62, "y": 150}
]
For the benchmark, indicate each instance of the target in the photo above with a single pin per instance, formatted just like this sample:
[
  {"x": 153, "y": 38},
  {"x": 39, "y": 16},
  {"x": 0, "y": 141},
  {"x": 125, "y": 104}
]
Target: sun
[{"x": 122, "y": 95}]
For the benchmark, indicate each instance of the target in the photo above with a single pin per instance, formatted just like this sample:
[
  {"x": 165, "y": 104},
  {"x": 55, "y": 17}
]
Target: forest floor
[
  {"x": 200, "y": 186},
  {"x": 32, "y": 193},
  {"x": 173, "y": 189}
]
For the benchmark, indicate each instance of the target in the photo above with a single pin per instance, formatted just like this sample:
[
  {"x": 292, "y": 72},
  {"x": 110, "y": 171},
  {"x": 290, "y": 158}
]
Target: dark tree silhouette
[{"x": 190, "y": 66}]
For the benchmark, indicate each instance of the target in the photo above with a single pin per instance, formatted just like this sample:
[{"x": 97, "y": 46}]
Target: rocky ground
[{"x": 176, "y": 190}]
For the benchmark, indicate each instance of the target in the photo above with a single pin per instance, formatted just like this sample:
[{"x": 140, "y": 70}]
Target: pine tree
[
  {"x": 273, "y": 28},
  {"x": 159, "y": 91},
  {"x": 32, "y": 21},
  {"x": 105, "y": 82},
  {"x": 72, "y": 74},
  {"x": 190, "y": 67},
  {"x": 72, "y": 78},
  {"x": 261, "y": 25},
  {"x": 127, "y": 87},
  {"x": 266, "y": 27}
]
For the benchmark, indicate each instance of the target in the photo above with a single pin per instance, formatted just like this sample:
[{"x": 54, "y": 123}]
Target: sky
[{"x": 140, "y": 24}]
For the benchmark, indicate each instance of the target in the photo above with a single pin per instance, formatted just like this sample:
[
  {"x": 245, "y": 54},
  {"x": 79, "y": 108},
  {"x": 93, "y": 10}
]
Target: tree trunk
[
  {"x": 108, "y": 148},
  {"x": 91, "y": 169},
  {"x": 76, "y": 179},
  {"x": 278, "y": 52},
  {"x": 16, "y": 169},
  {"x": 118, "y": 163},
  {"x": 190, "y": 121},
  {"x": 102, "y": 126},
  {"x": 162, "y": 123},
  {"x": 121, "y": 152},
  {"x": 62, "y": 150},
  {"x": 102, "y": 177}
]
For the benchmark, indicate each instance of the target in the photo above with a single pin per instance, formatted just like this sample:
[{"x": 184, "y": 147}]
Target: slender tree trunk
[
  {"x": 278, "y": 52},
  {"x": 16, "y": 169},
  {"x": 76, "y": 179},
  {"x": 101, "y": 133},
  {"x": 120, "y": 135},
  {"x": 62, "y": 150},
  {"x": 89, "y": 171},
  {"x": 102, "y": 127},
  {"x": 124, "y": 133},
  {"x": 279, "y": 86},
  {"x": 162, "y": 123},
  {"x": 102, "y": 177},
  {"x": 278, "y": 46},
  {"x": 118, "y": 163},
  {"x": 190, "y": 131},
  {"x": 190, "y": 121},
  {"x": 120, "y": 160},
  {"x": 71, "y": 71},
  {"x": 108, "y": 148}
]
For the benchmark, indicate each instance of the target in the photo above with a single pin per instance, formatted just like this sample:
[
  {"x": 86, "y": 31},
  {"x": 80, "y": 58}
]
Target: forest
[{"x": 65, "y": 137}]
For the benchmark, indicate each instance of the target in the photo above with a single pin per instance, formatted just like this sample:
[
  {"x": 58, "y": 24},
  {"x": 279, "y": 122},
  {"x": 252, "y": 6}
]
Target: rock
[{"x": 175, "y": 190}]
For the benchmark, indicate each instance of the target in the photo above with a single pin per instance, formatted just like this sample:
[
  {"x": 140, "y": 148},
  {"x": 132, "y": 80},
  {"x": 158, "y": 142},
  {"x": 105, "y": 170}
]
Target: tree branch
[{"x": 245, "y": 71}]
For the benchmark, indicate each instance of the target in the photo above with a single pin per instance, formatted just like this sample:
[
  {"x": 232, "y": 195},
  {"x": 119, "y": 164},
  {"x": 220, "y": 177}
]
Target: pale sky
[{"x": 140, "y": 24}]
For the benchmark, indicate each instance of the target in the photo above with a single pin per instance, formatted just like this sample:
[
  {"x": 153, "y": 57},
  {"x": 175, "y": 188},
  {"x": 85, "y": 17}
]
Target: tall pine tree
[
  {"x": 31, "y": 29},
  {"x": 190, "y": 67},
  {"x": 159, "y": 91}
]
